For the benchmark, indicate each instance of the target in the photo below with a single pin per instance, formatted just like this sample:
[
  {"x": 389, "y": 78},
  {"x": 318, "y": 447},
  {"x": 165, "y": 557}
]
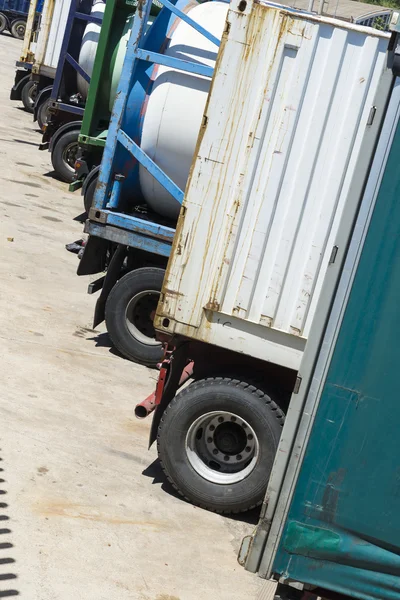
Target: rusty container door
[{"x": 289, "y": 105}]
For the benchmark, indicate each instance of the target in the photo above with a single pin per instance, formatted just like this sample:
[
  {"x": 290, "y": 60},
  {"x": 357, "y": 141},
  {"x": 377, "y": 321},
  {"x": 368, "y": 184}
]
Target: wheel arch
[
  {"x": 42, "y": 96},
  {"x": 93, "y": 174},
  {"x": 70, "y": 126},
  {"x": 20, "y": 81},
  {"x": 213, "y": 361}
]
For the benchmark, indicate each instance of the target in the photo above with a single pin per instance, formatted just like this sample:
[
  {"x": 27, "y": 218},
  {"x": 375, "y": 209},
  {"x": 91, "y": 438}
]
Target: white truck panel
[
  {"x": 54, "y": 19},
  {"x": 29, "y": 44},
  {"x": 290, "y": 100}
]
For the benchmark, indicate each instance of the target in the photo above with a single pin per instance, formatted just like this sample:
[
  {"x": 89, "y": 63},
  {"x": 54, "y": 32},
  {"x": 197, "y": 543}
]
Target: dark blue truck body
[{"x": 14, "y": 14}]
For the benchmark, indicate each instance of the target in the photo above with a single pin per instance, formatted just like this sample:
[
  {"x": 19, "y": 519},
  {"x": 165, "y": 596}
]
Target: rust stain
[
  {"x": 90, "y": 513},
  {"x": 212, "y": 305},
  {"x": 173, "y": 293}
]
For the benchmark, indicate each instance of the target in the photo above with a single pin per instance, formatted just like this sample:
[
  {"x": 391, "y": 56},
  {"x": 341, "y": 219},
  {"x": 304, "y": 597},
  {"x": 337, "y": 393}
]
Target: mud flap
[
  {"x": 111, "y": 278},
  {"x": 21, "y": 78},
  {"x": 177, "y": 363}
]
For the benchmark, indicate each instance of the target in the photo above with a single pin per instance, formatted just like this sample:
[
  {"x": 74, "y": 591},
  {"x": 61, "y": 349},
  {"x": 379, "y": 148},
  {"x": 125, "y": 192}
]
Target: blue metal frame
[
  {"x": 65, "y": 56},
  {"x": 107, "y": 196}
]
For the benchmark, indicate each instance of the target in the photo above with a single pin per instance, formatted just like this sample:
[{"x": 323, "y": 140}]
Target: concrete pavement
[{"x": 86, "y": 513}]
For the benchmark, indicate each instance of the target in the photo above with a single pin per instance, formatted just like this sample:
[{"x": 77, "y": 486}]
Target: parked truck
[
  {"x": 14, "y": 15},
  {"x": 91, "y": 136},
  {"x": 37, "y": 68},
  {"x": 80, "y": 26},
  {"x": 329, "y": 525},
  {"x": 23, "y": 89},
  {"x": 292, "y": 97},
  {"x": 106, "y": 59},
  {"x": 169, "y": 72}
]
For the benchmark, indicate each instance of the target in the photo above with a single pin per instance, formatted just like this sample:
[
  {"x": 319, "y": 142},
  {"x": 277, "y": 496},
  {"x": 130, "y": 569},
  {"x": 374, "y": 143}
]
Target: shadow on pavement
[
  {"x": 7, "y": 574},
  {"x": 157, "y": 474}
]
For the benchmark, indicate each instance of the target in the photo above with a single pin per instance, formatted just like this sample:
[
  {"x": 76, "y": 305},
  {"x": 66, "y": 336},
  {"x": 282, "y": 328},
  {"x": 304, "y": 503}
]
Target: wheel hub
[
  {"x": 69, "y": 154},
  {"x": 139, "y": 316},
  {"x": 222, "y": 447},
  {"x": 230, "y": 438}
]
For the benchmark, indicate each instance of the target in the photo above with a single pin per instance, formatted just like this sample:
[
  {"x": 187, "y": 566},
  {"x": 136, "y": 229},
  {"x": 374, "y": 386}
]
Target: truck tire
[
  {"x": 217, "y": 441},
  {"x": 63, "y": 155},
  {"x": 18, "y": 28},
  {"x": 89, "y": 195},
  {"x": 129, "y": 315},
  {"x": 28, "y": 95},
  {"x": 3, "y": 23},
  {"x": 42, "y": 113}
]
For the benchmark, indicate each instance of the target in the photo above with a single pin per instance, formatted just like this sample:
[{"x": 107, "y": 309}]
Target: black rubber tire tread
[
  {"x": 26, "y": 100},
  {"x": 14, "y": 31},
  {"x": 41, "y": 113},
  {"x": 62, "y": 170},
  {"x": 89, "y": 195},
  {"x": 3, "y": 23},
  {"x": 183, "y": 398},
  {"x": 125, "y": 288}
]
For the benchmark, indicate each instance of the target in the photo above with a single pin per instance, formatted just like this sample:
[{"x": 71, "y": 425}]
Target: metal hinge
[
  {"x": 371, "y": 115},
  {"x": 333, "y": 255},
  {"x": 297, "y": 385}
]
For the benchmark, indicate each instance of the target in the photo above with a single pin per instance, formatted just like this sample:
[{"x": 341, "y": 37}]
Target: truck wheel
[
  {"x": 28, "y": 95},
  {"x": 42, "y": 113},
  {"x": 3, "y": 23},
  {"x": 129, "y": 315},
  {"x": 63, "y": 155},
  {"x": 89, "y": 195},
  {"x": 18, "y": 29},
  {"x": 217, "y": 441}
]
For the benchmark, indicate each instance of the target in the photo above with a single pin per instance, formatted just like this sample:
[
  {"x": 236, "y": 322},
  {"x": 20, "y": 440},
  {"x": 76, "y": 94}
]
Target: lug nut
[
  {"x": 247, "y": 448},
  {"x": 220, "y": 419},
  {"x": 239, "y": 457},
  {"x": 250, "y": 436},
  {"x": 215, "y": 451},
  {"x": 209, "y": 441},
  {"x": 226, "y": 458},
  {"x": 212, "y": 427},
  {"x": 233, "y": 418}
]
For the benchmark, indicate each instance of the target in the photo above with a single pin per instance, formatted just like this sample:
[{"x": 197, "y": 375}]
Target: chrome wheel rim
[
  {"x": 139, "y": 315},
  {"x": 20, "y": 30},
  {"x": 222, "y": 447}
]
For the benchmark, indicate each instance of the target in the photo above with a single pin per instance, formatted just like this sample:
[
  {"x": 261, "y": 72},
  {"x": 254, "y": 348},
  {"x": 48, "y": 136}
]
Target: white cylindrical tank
[
  {"x": 89, "y": 45},
  {"x": 88, "y": 50},
  {"x": 176, "y": 106}
]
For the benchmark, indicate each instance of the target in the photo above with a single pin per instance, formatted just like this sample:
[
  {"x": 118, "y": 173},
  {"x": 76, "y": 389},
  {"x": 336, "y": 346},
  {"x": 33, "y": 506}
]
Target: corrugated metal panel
[
  {"x": 289, "y": 105},
  {"x": 54, "y": 18}
]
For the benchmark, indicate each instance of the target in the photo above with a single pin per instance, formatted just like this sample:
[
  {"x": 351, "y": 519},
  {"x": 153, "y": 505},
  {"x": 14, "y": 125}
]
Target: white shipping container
[
  {"x": 31, "y": 33},
  {"x": 50, "y": 38},
  {"x": 291, "y": 99}
]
